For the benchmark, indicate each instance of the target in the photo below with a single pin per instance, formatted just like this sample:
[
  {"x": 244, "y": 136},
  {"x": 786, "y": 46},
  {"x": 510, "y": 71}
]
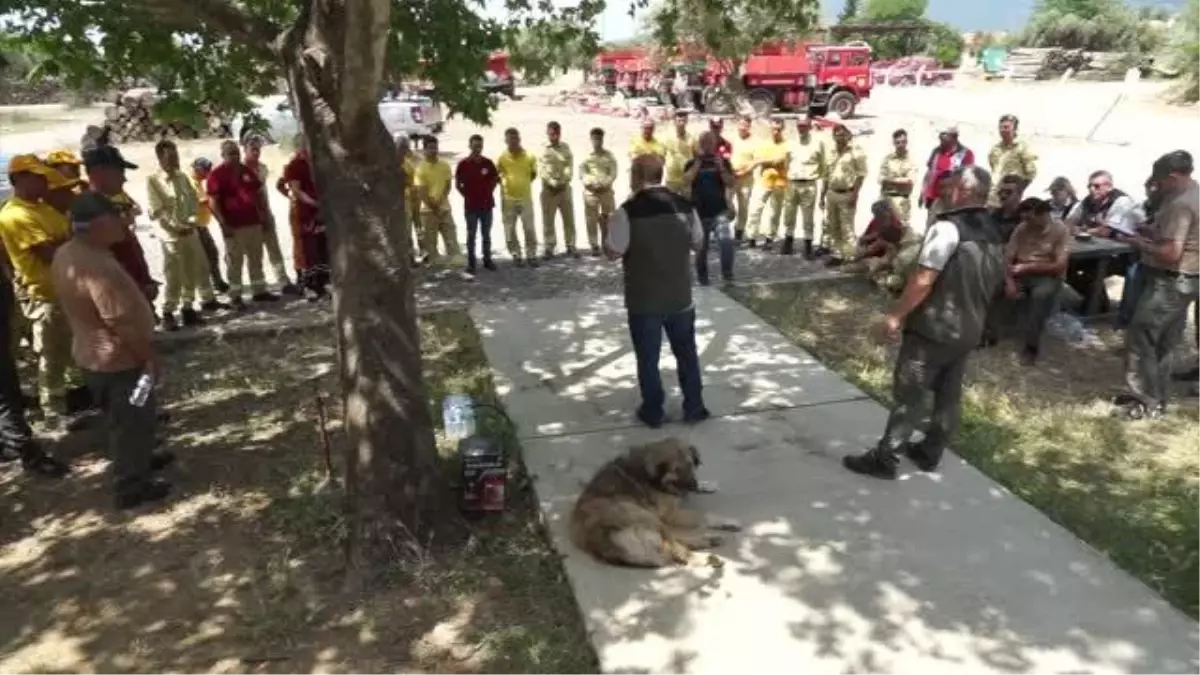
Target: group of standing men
[{"x": 76, "y": 285}]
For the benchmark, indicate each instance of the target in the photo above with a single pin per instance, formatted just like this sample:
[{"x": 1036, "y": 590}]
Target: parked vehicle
[
  {"x": 839, "y": 77},
  {"x": 409, "y": 115}
]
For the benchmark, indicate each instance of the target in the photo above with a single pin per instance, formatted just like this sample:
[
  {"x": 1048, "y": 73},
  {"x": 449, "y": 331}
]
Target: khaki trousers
[
  {"x": 598, "y": 207},
  {"x": 801, "y": 196},
  {"x": 510, "y": 212},
  {"x": 840, "y": 208},
  {"x": 51, "y": 344},
  {"x": 434, "y": 223},
  {"x": 556, "y": 202},
  {"x": 774, "y": 198},
  {"x": 185, "y": 268},
  {"x": 245, "y": 246},
  {"x": 274, "y": 254},
  {"x": 741, "y": 197}
]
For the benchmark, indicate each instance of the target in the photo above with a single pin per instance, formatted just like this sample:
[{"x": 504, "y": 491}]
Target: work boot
[
  {"x": 489, "y": 265},
  {"x": 220, "y": 286},
  {"x": 595, "y": 251},
  {"x": 191, "y": 317},
  {"x": 145, "y": 492},
  {"x": 916, "y": 453},
  {"x": 789, "y": 246},
  {"x": 238, "y": 304},
  {"x": 573, "y": 253},
  {"x": 291, "y": 289},
  {"x": 213, "y": 306},
  {"x": 872, "y": 463},
  {"x": 768, "y": 244},
  {"x": 265, "y": 296},
  {"x": 533, "y": 262},
  {"x": 548, "y": 254},
  {"x": 168, "y": 322},
  {"x": 161, "y": 460},
  {"x": 519, "y": 262},
  {"x": 808, "y": 249}
]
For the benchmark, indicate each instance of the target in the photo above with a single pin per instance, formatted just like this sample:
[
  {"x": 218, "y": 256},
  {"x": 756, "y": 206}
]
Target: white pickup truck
[{"x": 403, "y": 115}]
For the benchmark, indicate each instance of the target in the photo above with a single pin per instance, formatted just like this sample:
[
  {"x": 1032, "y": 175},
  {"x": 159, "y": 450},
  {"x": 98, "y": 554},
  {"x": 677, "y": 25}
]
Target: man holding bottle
[{"x": 112, "y": 328}]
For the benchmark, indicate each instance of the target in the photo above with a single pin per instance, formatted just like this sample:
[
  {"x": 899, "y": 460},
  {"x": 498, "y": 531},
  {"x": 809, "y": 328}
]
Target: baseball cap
[
  {"x": 28, "y": 163},
  {"x": 63, "y": 157},
  {"x": 106, "y": 155},
  {"x": 57, "y": 181},
  {"x": 90, "y": 206},
  {"x": 951, "y": 129}
]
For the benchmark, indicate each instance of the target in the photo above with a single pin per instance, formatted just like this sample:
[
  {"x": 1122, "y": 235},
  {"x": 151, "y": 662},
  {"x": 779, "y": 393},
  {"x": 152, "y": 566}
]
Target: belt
[
  {"x": 897, "y": 194},
  {"x": 842, "y": 190},
  {"x": 803, "y": 180}
]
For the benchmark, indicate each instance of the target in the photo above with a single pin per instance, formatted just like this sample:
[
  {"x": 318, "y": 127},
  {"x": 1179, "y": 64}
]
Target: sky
[{"x": 616, "y": 24}]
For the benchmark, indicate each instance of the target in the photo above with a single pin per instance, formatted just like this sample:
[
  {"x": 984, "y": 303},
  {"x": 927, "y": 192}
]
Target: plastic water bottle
[
  {"x": 141, "y": 392},
  {"x": 458, "y": 416}
]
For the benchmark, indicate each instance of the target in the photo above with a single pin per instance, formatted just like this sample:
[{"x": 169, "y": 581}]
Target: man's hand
[
  {"x": 888, "y": 329},
  {"x": 1017, "y": 269},
  {"x": 1011, "y": 290}
]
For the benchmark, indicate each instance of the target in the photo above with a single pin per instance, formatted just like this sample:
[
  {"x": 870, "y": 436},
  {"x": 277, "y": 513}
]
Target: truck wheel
[
  {"x": 842, "y": 103},
  {"x": 720, "y": 104},
  {"x": 763, "y": 101}
]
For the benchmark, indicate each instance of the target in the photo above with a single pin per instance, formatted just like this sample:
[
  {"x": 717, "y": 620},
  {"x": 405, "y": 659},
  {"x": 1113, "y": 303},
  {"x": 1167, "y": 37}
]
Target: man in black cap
[
  {"x": 106, "y": 175},
  {"x": 1170, "y": 269},
  {"x": 112, "y": 329}
]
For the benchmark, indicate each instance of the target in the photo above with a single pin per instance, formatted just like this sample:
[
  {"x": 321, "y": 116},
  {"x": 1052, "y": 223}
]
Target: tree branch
[{"x": 220, "y": 16}]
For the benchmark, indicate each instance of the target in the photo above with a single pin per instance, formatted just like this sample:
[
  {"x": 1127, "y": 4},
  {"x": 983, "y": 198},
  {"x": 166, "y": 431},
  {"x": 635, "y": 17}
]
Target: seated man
[
  {"x": 1008, "y": 214},
  {"x": 1108, "y": 213},
  {"x": 880, "y": 246},
  {"x": 1036, "y": 261}
]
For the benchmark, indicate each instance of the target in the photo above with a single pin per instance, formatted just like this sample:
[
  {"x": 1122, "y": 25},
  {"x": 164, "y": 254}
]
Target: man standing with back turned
[
  {"x": 653, "y": 234},
  {"x": 941, "y": 316}
]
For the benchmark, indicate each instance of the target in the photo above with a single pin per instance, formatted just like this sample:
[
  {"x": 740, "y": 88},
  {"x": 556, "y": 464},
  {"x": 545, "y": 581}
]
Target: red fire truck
[{"x": 837, "y": 77}]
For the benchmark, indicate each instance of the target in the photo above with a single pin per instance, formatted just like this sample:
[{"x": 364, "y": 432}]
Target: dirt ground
[
  {"x": 241, "y": 570},
  {"x": 1130, "y": 489}
]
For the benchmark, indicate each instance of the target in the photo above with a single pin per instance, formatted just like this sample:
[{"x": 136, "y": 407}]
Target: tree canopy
[
  {"x": 932, "y": 38},
  {"x": 1094, "y": 25},
  {"x": 537, "y": 51}
]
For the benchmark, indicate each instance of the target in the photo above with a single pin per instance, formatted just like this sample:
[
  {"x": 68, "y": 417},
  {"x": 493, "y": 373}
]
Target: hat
[
  {"x": 716, "y": 122},
  {"x": 28, "y": 164},
  {"x": 948, "y": 128},
  {"x": 90, "y": 206},
  {"x": 106, "y": 155},
  {"x": 63, "y": 157},
  {"x": 202, "y": 164},
  {"x": 57, "y": 181}
]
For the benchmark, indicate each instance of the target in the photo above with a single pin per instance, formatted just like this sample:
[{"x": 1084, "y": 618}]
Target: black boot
[
  {"x": 789, "y": 246},
  {"x": 808, "y": 249},
  {"x": 739, "y": 235},
  {"x": 874, "y": 463},
  {"x": 191, "y": 317}
]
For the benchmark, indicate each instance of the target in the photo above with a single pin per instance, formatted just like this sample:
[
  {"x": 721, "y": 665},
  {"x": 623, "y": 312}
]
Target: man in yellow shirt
[
  {"x": 1010, "y": 157},
  {"x": 772, "y": 155},
  {"x": 412, "y": 205},
  {"x": 173, "y": 206},
  {"x": 518, "y": 170},
  {"x": 433, "y": 179},
  {"x": 557, "y": 167},
  {"x": 646, "y": 144},
  {"x": 599, "y": 171},
  {"x": 31, "y": 231},
  {"x": 744, "y": 163},
  {"x": 806, "y": 166},
  {"x": 839, "y": 195},
  {"x": 680, "y": 149}
]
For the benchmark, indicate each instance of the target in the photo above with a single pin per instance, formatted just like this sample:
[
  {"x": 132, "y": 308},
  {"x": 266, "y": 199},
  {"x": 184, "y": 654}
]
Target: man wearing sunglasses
[{"x": 1008, "y": 210}]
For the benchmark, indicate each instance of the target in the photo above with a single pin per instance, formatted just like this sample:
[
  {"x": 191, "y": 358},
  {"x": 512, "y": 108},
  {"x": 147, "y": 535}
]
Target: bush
[
  {"x": 1184, "y": 54},
  {"x": 1115, "y": 28}
]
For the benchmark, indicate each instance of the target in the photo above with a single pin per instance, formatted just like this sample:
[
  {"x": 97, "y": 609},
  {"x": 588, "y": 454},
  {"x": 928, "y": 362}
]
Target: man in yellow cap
[
  {"x": 69, "y": 165},
  {"x": 61, "y": 191},
  {"x": 31, "y": 231}
]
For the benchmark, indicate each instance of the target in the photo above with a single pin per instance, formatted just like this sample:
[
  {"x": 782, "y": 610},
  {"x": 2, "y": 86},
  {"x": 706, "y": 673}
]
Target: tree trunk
[{"x": 397, "y": 496}]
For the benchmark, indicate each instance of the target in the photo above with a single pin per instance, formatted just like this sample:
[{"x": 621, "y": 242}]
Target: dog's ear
[
  {"x": 663, "y": 471},
  {"x": 695, "y": 455}
]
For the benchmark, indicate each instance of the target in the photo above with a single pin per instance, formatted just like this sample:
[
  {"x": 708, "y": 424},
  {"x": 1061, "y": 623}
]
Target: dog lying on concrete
[{"x": 631, "y": 513}]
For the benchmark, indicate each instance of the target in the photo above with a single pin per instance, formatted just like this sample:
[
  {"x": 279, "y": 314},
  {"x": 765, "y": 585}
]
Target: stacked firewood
[
  {"x": 1043, "y": 64},
  {"x": 131, "y": 118}
]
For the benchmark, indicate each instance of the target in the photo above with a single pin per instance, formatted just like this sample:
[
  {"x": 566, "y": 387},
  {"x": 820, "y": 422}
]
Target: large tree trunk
[{"x": 334, "y": 57}]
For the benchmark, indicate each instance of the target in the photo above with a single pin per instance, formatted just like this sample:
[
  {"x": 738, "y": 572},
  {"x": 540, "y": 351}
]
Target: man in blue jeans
[
  {"x": 654, "y": 234},
  {"x": 476, "y": 179},
  {"x": 711, "y": 179}
]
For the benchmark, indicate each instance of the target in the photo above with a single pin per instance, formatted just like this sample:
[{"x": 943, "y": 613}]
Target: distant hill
[{"x": 989, "y": 14}]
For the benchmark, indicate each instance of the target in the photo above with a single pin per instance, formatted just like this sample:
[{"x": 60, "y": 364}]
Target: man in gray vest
[
  {"x": 654, "y": 234},
  {"x": 941, "y": 316},
  {"x": 1170, "y": 269}
]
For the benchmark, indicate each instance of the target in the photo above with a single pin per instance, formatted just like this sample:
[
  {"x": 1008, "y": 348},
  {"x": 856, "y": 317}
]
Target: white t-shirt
[{"x": 941, "y": 241}]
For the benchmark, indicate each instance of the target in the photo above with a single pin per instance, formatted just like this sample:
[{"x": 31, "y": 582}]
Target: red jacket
[
  {"x": 476, "y": 179},
  {"x": 940, "y": 162}
]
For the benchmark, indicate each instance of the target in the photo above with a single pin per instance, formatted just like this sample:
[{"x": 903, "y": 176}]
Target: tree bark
[{"x": 397, "y": 497}]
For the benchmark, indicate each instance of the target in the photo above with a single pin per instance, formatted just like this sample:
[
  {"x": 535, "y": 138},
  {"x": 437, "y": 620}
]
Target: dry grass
[
  {"x": 241, "y": 570},
  {"x": 1128, "y": 489}
]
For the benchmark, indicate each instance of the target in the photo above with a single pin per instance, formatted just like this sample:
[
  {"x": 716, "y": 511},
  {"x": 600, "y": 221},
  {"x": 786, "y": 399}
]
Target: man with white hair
[{"x": 941, "y": 316}]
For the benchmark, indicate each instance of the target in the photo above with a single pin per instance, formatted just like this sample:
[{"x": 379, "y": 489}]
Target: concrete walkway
[{"x": 835, "y": 573}]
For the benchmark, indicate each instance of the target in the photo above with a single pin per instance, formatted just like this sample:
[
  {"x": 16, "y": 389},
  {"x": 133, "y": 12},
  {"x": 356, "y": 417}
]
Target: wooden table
[{"x": 1101, "y": 250}]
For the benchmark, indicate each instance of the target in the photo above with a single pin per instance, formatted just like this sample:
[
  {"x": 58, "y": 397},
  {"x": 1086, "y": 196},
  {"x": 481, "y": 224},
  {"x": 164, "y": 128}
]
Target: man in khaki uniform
[
  {"x": 557, "y": 167},
  {"x": 772, "y": 156},
  {"x": 681, "y": 149},
  {"x": 1011, "y": 157},
  {"x": 599, "y": 171},
  {"x": 897, "y": 175},
  {"x": 744, "y": 164},
  {"x": 839, "y": 194},
  {"x": 806, "y": 165},
  {"x": 173, "y": 207},
  {"x": 432, "y": 180}
]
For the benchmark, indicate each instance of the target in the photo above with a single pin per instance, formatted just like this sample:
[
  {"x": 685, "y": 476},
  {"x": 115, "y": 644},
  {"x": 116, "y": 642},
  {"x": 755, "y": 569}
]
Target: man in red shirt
[
  {"x": 946, "y": 158},
  {"x": 238, "y": 203},
  {"x": 476, "y": 179},
  {"x": 724, "y": 147},
  {"x": 106, "y": 168}
]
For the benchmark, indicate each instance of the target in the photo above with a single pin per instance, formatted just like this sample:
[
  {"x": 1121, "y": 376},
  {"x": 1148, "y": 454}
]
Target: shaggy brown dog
[{"x": 631, "y": 512}]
